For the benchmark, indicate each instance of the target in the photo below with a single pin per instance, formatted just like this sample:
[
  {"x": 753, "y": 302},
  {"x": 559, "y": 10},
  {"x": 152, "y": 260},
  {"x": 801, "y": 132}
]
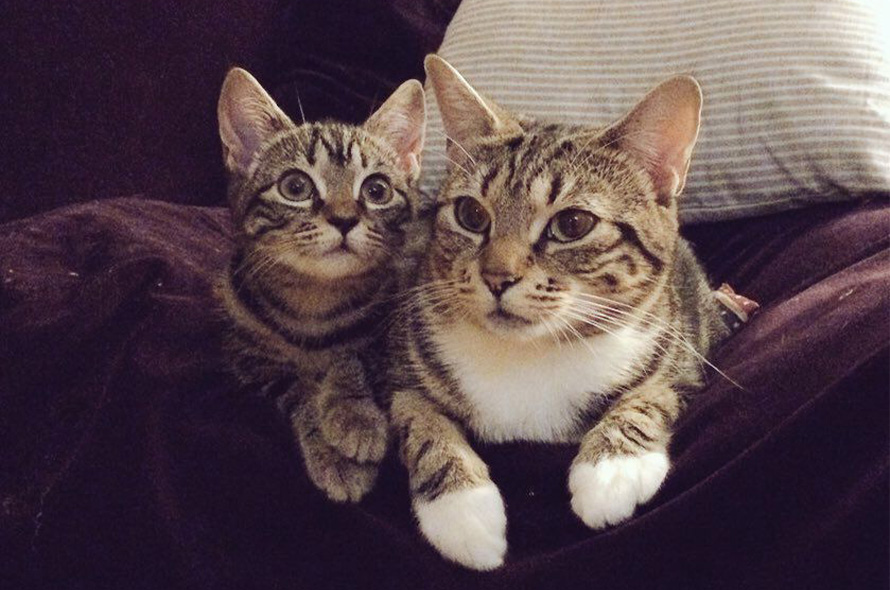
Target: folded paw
[
  {"x": 340, "y": 478},
  {"x": 468, "y": 526},
  {"x": 358, "y": 429},
  {"x": 607, "y": 492}
]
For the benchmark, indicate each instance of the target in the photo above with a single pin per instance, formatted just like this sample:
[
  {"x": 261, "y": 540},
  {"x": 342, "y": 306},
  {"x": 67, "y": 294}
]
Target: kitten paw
[
  {"x": 607, "y": 492},
  {"x": 340, "y": 478},
  {"x": 468, "y": 526},
  {"x": 358, "y": 429}
]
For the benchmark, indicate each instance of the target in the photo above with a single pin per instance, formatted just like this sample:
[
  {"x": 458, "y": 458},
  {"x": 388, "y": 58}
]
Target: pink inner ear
[
  {"x": 466, "y": 115},
  {"x": 667, "y": 161},
  {"x": 661, "y": 131},
  {"x": 247, "y": 117},
  {"x": 401, "y": 121},
  {"x": 253, "y": 124},
  {"x": 405, "y": 135}
]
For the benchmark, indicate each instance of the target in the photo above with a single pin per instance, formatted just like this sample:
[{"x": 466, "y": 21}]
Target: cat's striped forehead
[
  {"x": 547, "y": 166},
  {"x": 337, "y": 157},
  {"x": 323, "y": 146},
  {"x": 526, "y": 179}
]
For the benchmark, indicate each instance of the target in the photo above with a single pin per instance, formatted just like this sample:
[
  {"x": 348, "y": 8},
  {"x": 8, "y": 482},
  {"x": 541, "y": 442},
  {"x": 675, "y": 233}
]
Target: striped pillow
[{"x": 797, "y": 92}]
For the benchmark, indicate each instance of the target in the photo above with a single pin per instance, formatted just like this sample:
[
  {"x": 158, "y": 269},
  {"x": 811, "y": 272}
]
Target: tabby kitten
[
  {"x": 324, "y": 217},
  {"x": 556, "y": 303}
]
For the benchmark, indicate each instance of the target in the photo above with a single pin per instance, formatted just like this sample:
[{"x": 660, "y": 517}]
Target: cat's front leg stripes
[
  {"x": 350, "y": 420},
  {"x": 623, "y": 460},
  {"x": 340, "y": 478},
  {"x": 459, "y": 509}
]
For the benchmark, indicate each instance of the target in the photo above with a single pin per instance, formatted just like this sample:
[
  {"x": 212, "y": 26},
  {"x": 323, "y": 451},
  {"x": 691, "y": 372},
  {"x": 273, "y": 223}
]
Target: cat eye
[
  {"x": 471, "y": 215},
  {"x": 570, "y": 225},
  {"x": 296, "y": 186},
  {"x": 376, "y": 191}
]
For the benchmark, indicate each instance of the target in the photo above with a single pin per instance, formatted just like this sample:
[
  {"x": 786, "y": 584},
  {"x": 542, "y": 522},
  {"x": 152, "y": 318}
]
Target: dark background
[{"x": 105, "y": 98}]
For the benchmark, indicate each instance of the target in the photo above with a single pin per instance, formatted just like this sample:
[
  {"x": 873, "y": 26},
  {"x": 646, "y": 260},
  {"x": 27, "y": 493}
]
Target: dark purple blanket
[{"x": 129, "y": 460}]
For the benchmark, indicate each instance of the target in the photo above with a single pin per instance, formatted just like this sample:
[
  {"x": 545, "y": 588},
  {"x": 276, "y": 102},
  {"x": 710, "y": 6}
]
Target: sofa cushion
[{"x": 797, "y": 93}]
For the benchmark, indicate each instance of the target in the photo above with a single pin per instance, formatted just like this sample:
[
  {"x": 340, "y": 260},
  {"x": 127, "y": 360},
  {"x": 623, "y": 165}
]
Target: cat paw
[
  {"x": 607, "y": 492},
  {"x": 468, "y": 526},
  {"x": 340, "y": 478},
  {"x": 358, "y": 429}
]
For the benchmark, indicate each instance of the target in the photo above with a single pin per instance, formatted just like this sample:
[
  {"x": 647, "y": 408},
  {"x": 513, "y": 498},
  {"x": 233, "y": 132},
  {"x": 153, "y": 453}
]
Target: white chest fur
[{"x": 535, "y": 391}]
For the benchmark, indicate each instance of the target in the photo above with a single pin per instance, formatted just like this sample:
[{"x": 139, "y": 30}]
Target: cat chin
[
  {"x": 336, "y": 265},
  {"x": 512, "y": 327}
]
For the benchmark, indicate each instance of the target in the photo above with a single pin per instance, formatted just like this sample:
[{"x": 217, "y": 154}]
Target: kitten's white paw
[
  {"x": 469, "y": 526},
  {"x": 606, "y": 492}
]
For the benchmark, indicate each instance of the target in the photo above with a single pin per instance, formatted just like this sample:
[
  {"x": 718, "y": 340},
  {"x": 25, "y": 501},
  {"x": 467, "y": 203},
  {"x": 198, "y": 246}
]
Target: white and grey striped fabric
[{"x": 797, "y": 92}]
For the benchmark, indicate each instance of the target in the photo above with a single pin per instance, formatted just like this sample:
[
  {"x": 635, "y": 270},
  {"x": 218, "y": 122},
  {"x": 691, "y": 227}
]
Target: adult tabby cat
[
  {"x": 324, "y": 218},
  {"x": 556, "y": 303}
]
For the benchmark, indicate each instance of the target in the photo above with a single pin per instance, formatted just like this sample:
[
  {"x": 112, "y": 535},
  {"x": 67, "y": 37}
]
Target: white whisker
[
  {"x": 465, "y": 171},
  {"x": 449, "y": 138},
  {"x": 641, "y": 317},
  {"x": 302, "y": 114},
  {"x": 673, "y": 333}
]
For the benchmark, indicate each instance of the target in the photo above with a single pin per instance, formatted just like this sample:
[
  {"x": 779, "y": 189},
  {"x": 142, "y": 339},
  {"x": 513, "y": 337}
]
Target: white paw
[
  {"x": 606, "y": 492},
  {"x": 469, "y": 526}
]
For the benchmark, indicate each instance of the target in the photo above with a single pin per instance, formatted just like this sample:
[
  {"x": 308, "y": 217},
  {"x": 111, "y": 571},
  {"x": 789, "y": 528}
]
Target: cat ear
[
  {"x": 660, "y": 133},
  {"x": 466, "y": 115},
  {"x": 247, "y": 117},
  {"x": 401, "y": 121}
]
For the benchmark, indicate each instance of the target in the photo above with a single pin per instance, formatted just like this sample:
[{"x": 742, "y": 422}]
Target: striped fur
[
  {"x": 512, "y": 334},
  {"x": 317, "y": 263}
]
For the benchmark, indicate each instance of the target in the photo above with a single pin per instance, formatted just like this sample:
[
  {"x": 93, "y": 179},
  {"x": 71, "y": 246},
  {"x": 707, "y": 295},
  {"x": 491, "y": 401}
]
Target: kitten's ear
[
  {"x": 247, "y": 117},
  {"x": 401, "y": 121},
  {"x": 660, "y": 133},
  {"x": 466, "y": 115}
]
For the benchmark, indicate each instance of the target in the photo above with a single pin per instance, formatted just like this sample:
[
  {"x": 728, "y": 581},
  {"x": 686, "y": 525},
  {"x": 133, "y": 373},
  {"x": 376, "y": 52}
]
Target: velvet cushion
[{"x": 129, "y": 458}]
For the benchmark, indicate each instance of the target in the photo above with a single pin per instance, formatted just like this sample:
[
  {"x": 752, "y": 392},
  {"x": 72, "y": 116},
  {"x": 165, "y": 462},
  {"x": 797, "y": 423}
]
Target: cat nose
[
  {"x": 498, "y": 283},
  {"x": 344, "y": 224},
  {"x": 503, "y": 262}
]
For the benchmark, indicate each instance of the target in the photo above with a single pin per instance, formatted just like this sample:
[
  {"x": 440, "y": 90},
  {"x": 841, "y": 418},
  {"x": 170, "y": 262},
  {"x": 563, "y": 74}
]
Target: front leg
[
  {"x": 623, "y": 459},
  {"x": 350, "y": 420},
  {"x": 342, "y": 479},
  {"x": 458, "y": 507}
]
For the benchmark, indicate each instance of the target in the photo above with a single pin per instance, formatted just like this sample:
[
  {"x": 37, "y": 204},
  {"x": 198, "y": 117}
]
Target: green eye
[
  {"x": 471, "y": 215},
  {"x": 296, "y": 186},
  {"x": 376, "y": 190},
  {"x": 570, "y": 225}
]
